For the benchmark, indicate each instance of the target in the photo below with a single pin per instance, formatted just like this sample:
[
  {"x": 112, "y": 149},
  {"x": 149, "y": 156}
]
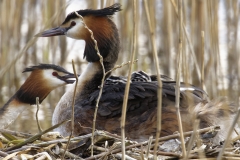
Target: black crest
[
  {"x": 108, "y": 11},
  {"x": 45, "y": 66}
]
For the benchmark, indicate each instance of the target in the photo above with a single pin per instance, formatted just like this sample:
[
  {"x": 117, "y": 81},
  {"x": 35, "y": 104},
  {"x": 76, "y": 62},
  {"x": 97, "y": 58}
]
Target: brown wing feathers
[{"x": 142, "y": 96}]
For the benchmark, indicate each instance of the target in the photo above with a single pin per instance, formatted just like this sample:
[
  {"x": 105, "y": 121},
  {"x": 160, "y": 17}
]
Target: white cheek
[
  {"x": 52, "y": 81},
  {"x": 76, "y": 32},
  {"x": 55, "y": 82}
]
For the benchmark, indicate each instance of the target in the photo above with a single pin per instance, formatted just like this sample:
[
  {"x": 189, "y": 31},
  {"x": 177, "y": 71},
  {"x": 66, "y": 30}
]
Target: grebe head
[
  {"x": 53, "y": 75},
  {"x": 100, "y": 23},
  {"x": 43, "y": 79}
]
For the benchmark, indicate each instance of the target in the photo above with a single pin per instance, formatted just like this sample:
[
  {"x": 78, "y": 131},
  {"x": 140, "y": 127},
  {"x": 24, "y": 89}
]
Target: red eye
[
  {"x": 73, "y": 23},
  {"x": 54, "y": 73}
]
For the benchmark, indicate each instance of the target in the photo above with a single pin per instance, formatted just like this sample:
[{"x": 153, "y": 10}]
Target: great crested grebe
[
  {"x": 43, "y": 79},
  {"x": 142, "y": 101}
]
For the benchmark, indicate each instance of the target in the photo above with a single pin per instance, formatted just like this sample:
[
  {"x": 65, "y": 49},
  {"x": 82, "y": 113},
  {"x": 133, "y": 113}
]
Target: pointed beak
[
  {"x": 52, "y": 32},
  {"x": 69, "y": 78}
]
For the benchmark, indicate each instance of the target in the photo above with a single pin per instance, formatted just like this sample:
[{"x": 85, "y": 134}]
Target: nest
[{"x": 51, "y": 145}]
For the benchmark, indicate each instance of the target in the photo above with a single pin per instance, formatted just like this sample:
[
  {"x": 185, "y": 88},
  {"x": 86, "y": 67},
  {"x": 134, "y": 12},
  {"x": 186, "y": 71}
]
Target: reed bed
[
  {"x": 210, "y": 54},
  {"x": 108, "y": 146}
]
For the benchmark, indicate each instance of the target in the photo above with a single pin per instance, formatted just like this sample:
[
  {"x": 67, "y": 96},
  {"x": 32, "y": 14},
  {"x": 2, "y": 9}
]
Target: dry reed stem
[
  {"x": 127, "y": 87},
  {"x": 101, "y": 87},
  {"x": 238, "y": 58},
  {"x": 149, "y": 146},
  {"x": 141, "y": 153},
  {"x": 236, "y": 138},
  {"x": 166, "y": 153},
  {"x": 215, "y": 46},
  {"x": 199, "y": 149},
  {"x": 192, "y": 138},
  {"x": 69, "y": 154},
  {"x": 3, "y": 154},
  {"x": 218, "y": 75},
  {"x": 159, "y": 105},
  {"x": 38, "y": 124},
  {"x": 177, "y": 90},
  {"x": 100, "y": 148},
  {"x": 189, "y": 43},
  {"x": 229, "y": 135},
  {"x": 118, "y": 155},
  {"x": 202, "y": 64},
  {"x": 73, "y": 103}
]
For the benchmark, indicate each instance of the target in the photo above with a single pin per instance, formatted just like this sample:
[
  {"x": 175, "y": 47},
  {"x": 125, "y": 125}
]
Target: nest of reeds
[{"x": 51, "y": 145}]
